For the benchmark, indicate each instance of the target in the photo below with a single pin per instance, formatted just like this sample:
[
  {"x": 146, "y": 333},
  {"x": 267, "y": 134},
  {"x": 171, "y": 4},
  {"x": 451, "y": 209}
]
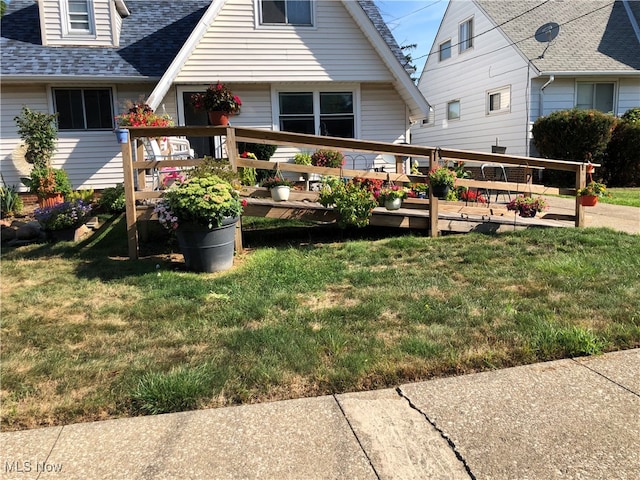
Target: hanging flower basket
[{"x": 588, "y": 200}]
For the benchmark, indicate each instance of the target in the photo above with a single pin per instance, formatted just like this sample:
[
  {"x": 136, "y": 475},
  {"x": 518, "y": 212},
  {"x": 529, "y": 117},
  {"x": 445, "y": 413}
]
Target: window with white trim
[
  {"x": 286, "y": 12},
  {"x": 79, "y": 16},
  {"x": 444, "y": 51},
  {"x": 499, "y": 100},
  {"x": 83, "y": 108},
  {"x": 595, "y": 95},
  {"x": 465, "y": 39},
  {"x": 453, "y": 110},
  {"x": 330, "y": 114}
]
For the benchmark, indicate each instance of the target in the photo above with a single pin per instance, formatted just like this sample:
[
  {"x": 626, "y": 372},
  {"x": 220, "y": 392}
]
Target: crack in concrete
[
  {"x": 607, "y": 378},
  {"x": 344, "y": 415},
  {"x": 450, "y": 442}
]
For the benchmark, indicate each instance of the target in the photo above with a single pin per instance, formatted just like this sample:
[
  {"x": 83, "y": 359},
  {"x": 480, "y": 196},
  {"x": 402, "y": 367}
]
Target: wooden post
[
  {"x": 232, "y": 153},
  {"x": 581, "y": 182},
  {"x": 130, "y": 201},
  {"x": 433, "y": 202},
  {"x": 400, "y": 164},
  {"x": 142, "y": 179}
]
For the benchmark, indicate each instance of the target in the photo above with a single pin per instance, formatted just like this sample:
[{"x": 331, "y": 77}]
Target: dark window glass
[
  {"x": 336, "y": 103},
  {"x": 296, "y": 103},
  {"x": 80, "y": 109},
  {"x": 445, "y": 50},
  {"x": 273, "y": 11},
  {"x": 338, "y": 126},
  {"x": 292, "y": 12},
  {"x": 297, "y": 125}
]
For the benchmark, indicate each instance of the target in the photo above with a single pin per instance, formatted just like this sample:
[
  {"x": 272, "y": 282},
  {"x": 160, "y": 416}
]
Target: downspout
[{"x": 541, "y": 107}]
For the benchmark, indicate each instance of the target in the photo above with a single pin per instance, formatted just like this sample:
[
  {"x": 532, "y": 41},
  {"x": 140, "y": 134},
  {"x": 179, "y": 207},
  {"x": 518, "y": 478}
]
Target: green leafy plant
[
  {"x": 327, "y": 158},
  {"x": 205, "y": 200},
  {"x": 112, "y": 199},
  {"x": 39, "y": 132},
  {"x": 621, "y": 164},
  {"x": 302, "y": 158},
  {"x": 593, "y": 189},
  {"x": 442, "y": 176},
  {"x": 353, "y": 201},
  {"x": 527, "y": 206},
  {"x": 86, "y": 195},
  {"x": 219, "y": 167},
  {"x": 63, "y": 215},
  {"x": 10, "y": 201},
  {"x": 216, "y": 98},
  {"x": 45, "y": 181}
]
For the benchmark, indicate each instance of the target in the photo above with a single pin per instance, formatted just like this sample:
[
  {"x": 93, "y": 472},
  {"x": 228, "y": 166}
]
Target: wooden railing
[{"x": 136, "y": 167}]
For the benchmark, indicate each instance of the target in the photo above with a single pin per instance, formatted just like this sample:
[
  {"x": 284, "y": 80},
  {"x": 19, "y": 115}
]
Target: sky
[{"x": 414, "y": 21}]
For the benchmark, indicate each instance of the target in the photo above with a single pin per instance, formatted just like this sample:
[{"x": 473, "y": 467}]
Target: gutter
[
  {"x": 599, "y": 73},
  {"x": 21, "y": 79}
]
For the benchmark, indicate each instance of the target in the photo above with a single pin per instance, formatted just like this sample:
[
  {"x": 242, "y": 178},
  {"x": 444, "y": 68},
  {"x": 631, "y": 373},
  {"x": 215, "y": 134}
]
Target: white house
[
  {"x": 318, "y": 66},
  {"x": 496, "y": 66}
]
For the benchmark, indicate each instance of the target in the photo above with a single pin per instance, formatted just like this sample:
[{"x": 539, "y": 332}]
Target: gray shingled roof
[
  {"x": 151, "y": 37},
  {"x": 588, "y": 42}
]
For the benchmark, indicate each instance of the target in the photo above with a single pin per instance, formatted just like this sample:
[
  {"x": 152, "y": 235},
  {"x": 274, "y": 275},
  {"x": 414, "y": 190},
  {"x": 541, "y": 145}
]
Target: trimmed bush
[
  {"x": 621, "y": 165},
  {"x": 577, "y": 135}
]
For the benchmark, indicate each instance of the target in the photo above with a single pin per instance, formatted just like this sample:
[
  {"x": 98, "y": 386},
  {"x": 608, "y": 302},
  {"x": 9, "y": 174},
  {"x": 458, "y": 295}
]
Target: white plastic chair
[{"x": 169, "y": 148}]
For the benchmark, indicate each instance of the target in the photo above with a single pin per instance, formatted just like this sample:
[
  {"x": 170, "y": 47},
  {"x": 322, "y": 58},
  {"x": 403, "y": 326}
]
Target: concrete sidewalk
[{"x": 566, "y": 419}]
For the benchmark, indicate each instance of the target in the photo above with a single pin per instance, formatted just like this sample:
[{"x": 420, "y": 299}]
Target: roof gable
[{"x": 595, "y": 35}]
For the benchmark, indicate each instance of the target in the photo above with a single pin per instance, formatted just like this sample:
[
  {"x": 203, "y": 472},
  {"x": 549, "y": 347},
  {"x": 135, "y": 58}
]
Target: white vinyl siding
[
  {"x": 629, "y": 94},
  {"x": 334, "y": 51},
  {"x": 469, "y": 77},
  {"x": 56, "y": 28}
]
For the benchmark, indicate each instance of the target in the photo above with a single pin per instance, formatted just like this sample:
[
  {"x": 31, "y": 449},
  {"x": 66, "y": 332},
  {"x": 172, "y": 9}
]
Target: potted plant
[
  {"x": 278, "y": 186},
  {"x": 591, "y": 192},
  {"x": 327, "y": 158},
  {"x": 441, "y": 179},
  {"x": 527, "y": 206},
  {"x": 391, "y": 197},
  {"x": 61, "y": 221},
  {"x": 353, "y": 200},
  {"x": 218, "y": 101},
  {"x": 203, "y": 211},
  {"x": 139, "y": 115},
  {"x": 39, "y": 132},
  {"x": 304, "y": 158},
  {"x": 420, "y": 190}
]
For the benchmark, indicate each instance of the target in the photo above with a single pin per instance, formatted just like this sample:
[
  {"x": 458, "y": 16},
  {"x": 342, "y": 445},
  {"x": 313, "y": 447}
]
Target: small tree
[
  {"x": 40, "y": 133},
  {"x": 621, "y": 165}
]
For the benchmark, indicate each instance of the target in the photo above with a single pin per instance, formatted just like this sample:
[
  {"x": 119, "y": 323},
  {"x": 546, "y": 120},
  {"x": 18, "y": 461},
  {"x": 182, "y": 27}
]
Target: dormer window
[
  {"x": 286, "y": 12},
  {"x": 78, "y": 16}
]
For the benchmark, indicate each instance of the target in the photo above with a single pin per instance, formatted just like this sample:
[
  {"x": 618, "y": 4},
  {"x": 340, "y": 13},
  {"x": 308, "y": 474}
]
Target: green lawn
[
  {"x": 88, "y": 334},
  {"x": 623, "y": 196}
]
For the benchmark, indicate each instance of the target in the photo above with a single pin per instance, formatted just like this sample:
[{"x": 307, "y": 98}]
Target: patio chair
[{"x": 169, "y": 148}]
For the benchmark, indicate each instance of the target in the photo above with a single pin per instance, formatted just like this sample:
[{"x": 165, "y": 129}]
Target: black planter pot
[
  {"x": 207, "y": 249},
  {"x": 440, "y": 191}
]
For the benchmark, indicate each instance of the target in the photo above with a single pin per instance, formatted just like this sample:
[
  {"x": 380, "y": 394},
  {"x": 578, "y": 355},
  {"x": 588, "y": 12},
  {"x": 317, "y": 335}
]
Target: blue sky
[{"x": 414, "y": 21}]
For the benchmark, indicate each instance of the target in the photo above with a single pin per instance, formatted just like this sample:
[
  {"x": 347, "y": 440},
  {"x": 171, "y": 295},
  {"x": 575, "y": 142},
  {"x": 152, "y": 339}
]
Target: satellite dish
[{"x": 547, "y": 32}]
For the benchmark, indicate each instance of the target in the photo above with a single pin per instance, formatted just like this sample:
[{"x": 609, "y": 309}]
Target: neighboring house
[
  {"x": 496, "y": 66},
  {"x": 322, "y": 66}
]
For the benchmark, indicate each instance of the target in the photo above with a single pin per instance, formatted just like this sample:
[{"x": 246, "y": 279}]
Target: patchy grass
[
  {"x": 623, "y": 196},
  {"x": 87, "y": 334}
]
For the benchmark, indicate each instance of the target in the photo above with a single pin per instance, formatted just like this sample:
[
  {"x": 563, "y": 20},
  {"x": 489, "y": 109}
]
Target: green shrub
[
  {"x": 113, "y": 199},
  {"x": 85, "y": 195},
  {"x": 10, "y": 201},
  {"x": 39, "y": 131},
  {"x": 577, "y": 135},
  {"x": 261, "y": 150},
  {"x": 621, "y": 165},
  {"x": 219, "y": 167}
]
